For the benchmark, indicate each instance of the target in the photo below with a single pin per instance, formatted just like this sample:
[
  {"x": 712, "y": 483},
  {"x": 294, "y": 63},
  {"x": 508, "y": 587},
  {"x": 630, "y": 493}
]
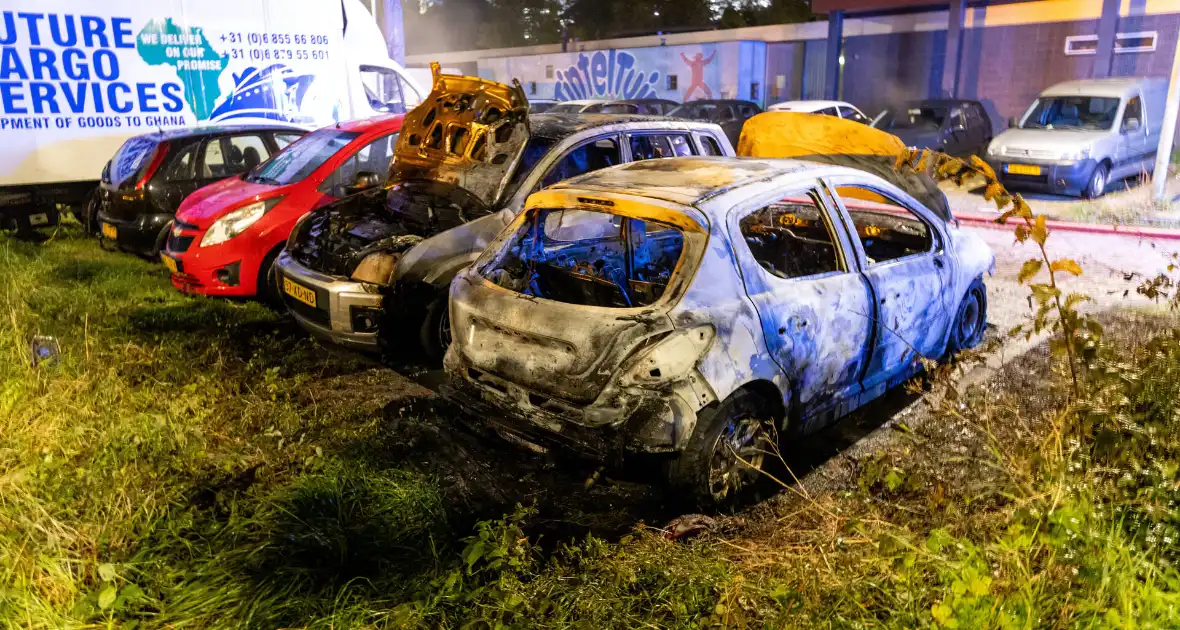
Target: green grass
[{"x": 187, "y": 464}]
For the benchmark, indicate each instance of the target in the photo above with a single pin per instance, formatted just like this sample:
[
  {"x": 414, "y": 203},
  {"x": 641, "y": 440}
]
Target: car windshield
[
  {"x": 534, "y": 150},
  {"x": 587, "y": 257},
  {"x": 566, "y": 108},
  {"x": 301, "y": 157},
  {"x": 922, "y": 117},
  {"x": 1072, "y": 112}
]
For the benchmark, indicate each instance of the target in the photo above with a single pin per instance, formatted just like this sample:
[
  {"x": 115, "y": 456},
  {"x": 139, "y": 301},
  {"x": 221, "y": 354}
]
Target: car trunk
[
  {"x": 570, "y": 290},
  {"x": 455, "y": 154},
  {"x": 123, "y": 197}
]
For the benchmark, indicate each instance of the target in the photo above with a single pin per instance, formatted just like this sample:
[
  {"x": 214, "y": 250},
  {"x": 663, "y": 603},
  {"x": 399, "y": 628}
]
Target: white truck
[{"x": 78, "y": 78}]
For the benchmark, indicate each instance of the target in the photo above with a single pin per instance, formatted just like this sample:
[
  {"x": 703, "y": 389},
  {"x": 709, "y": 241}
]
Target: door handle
[{"x": 939, "y": 263}]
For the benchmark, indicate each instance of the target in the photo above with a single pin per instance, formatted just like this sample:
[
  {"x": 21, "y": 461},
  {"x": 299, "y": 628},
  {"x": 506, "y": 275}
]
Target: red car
[{"x": 227, "y": 235}]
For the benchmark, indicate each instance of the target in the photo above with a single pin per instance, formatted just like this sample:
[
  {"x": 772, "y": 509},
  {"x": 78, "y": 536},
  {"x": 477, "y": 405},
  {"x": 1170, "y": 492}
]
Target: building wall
[
  {"x": 784, "y": 71},
  {"x": 880, "y": 70},
  {"x": 721, "y": 70}
]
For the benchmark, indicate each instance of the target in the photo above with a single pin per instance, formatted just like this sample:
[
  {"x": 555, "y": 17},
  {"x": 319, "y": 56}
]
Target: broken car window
[
  {"x": 887, "y": 229},
  {"x": 588, "y": 258},
  {"x": 658, "y": 145},
  {"x": 791, "y": 238},
  {"x": 588, "y": 157}
]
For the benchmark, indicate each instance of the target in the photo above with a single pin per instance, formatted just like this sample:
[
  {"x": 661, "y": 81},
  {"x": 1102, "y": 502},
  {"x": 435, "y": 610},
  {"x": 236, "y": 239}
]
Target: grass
[{"x": 200, "y": 463}]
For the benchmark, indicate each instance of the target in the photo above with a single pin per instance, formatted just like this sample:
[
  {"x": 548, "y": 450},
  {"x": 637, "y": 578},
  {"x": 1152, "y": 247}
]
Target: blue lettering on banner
[
  {"x": 70, "y": 65},
  {"x": 603, "y": 75}
]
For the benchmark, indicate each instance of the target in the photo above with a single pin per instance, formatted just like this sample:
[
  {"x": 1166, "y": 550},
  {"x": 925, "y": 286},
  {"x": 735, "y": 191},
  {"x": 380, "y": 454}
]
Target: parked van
[
  {"x": 80, "y": 78},
  {"x": 1079, "y": 136}
]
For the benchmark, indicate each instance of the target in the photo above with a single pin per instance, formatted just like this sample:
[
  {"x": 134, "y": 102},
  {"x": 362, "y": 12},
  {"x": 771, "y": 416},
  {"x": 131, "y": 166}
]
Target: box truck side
[{"x": 77, "y": 79}]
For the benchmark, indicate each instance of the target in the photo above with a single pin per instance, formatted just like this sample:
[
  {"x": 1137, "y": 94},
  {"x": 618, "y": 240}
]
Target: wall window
[
  {"x": 791, "y": 238},
  {"x": 672, "y": 82},
  {"x": 548, "y": 72},
  {"x": 1138, "y": 42},
  {"x": 887, "y": 229},
  {"x": 755, "y": 90}
]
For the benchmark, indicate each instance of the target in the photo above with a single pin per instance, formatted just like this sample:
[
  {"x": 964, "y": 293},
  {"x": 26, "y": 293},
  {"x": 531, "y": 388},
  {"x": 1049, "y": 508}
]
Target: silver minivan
[{"x": 1079, "y": 136}]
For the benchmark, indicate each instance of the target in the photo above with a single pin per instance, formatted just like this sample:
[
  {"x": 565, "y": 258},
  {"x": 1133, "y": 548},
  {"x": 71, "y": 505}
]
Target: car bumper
[
  {"x": 139, "y": 234},
  {"x": 221, "y": 270},
  {"x": 1056, "y": 177},
  {"x": 619, "y": 422},
  {"x": 345, "y": 312}
]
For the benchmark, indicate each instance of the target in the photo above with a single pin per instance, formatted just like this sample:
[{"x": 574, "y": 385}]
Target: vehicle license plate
[
  {"x": 39, "y": 219},
  {"x": 299, "y": 292},
  {"x": 110, "y": 231},
  {"x": 169, "y": 262},
  {"x": 1023, "y": 169}
]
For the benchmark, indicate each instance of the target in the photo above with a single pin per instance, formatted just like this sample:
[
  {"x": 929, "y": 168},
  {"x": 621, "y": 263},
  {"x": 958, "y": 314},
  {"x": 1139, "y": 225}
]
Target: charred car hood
[
  {"x": 336, "y": 238},
  {"x": 455, "y": 154},
  {"x": 468, "y": 132}
]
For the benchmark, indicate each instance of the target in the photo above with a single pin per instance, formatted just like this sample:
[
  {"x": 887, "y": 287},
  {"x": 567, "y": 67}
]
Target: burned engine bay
[{"x": 588, "y": 258}]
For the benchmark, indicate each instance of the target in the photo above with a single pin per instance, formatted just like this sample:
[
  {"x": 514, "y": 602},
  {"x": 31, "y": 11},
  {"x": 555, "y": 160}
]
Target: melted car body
[
  {"x": 665, "y": 306},
  {"x": 466, "y": 160}
]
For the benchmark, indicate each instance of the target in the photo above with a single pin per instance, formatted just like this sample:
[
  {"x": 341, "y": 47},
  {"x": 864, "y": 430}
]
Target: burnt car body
[
  {"x": 957, "y": 127},
  {"x": 382, "y": 260},
  {"x": 730, "y": 114},
  {"x": 151, "y": 174},
  {"x": 684, "y": 306}
]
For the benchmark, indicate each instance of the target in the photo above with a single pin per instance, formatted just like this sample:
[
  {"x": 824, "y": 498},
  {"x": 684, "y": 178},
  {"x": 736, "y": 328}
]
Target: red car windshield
[{"x": 303, "y": 156}]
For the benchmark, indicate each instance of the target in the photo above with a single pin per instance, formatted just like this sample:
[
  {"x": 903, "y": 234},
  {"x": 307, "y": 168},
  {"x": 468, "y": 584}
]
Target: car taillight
[{"x": 153, "y": 165}]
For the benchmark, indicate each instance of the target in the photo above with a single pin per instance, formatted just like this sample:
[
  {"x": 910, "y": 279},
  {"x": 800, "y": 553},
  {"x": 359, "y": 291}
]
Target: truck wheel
[
  {"x": 1096, "y": 187},
  {"x": 725, "y": 456},
  {"x": 970, "y": 321},
  {"x": 435, "y": 334}
]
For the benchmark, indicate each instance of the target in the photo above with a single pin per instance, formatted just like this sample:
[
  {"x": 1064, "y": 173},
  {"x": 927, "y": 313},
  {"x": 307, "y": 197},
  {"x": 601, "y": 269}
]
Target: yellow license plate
[
  {"x": 169, "y": 262},
  {"x": 299, "y": 292},
  {"x": 110, "y": 231},
  {"x": 1023, "y": 169}
]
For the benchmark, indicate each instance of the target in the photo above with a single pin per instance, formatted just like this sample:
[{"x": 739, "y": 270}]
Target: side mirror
[
  {"x": 1131, "y": 124},
  {"x": 364, "y": 180},
  {"x": 1012, "y": 122}
]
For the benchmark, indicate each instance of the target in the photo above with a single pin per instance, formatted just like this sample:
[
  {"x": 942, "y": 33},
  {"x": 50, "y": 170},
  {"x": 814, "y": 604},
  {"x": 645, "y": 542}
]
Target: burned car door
[
  {"x": 901, "y": 245},
  {"x": 812, "y": 303}
]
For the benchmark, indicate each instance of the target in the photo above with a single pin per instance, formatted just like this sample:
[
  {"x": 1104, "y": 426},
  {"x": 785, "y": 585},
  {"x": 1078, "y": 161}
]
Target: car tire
[
  {"x": 161, "y": 241},
  {"x": 268, "y": 288},
  {"x": 970, "y": 320},
  {"x": 707, "y": 472},
  {"x": 89, "y": 218},
  {"x": 435, "y": 333},
  {"x": 1096, "y": 185}
]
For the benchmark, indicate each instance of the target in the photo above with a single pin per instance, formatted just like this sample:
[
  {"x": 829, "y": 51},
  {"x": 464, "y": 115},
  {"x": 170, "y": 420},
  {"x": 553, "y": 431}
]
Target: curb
[{"x": 988, "y": 220}]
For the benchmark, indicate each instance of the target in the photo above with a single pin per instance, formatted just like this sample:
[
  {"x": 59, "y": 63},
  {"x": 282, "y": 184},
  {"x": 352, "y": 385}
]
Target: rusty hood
[
  {"x": 841, "y": 142},
  {"x": 468, "y": 132}
]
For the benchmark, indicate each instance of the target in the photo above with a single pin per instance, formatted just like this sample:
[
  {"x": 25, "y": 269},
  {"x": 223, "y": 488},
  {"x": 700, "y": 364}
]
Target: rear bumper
[
  {"x": 139, "y": 234},
  {"x": 346, "y": 313},
  {"x": 619, "y": 422},
  {"x": 1056, "y": 177}
]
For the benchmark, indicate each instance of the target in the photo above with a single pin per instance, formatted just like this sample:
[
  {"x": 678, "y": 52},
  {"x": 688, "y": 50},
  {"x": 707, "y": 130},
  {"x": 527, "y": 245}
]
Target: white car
[
  {"x": 573, "y": 107},
  {"x": 838, "y": 109},
  {"x": 686, "y": 306}
]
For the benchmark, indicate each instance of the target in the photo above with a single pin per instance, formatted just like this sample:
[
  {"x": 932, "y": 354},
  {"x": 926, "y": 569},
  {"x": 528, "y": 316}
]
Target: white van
[
  {"x": 78, "y": 78},
  {"x": 1079, "y": 136}
]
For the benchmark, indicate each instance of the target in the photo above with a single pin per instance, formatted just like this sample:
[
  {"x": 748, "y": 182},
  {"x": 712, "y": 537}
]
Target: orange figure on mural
[{"x": 697, "y": 65}]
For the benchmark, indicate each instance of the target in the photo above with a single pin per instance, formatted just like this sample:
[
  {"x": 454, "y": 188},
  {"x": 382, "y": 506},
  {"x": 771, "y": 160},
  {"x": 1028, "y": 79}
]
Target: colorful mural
[{"x": 606, "y": 74}]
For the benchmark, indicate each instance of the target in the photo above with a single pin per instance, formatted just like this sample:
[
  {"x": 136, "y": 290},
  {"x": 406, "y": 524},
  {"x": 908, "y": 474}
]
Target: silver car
[
  {"x": 686, "y": 306},
  {"x": 384, "y": 258},
  {"x": 1079, "y": 136}
]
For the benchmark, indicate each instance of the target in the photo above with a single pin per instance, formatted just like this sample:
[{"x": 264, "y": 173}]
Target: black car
[
  {"x": 960, "y": 128},
  {"x": 730, "y": 114},
  {"x": 144, "y": 183},
  {"x": 653, "y": 106}
]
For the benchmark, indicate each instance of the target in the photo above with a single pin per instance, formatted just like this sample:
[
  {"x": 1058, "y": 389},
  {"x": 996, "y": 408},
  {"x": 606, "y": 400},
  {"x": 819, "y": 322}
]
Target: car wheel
[
  {"x": 435, "y": 334},
  {"x": 725, "y": 457},
  {"x": 161, "y": 241},
  {"x": 1096, "y": 187},
  {"x": 268, "y": 288},
  {"x": 89, "y": 218},
  {"x": 971, "y": 320}
]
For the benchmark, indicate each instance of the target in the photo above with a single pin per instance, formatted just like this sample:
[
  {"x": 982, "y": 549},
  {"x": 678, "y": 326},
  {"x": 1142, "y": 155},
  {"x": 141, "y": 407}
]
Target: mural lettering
[{"x": 605, "y": 74}]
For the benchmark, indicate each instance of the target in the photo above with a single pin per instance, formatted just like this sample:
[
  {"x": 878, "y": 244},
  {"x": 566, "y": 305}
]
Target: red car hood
[{"x": 208, "y": 204}]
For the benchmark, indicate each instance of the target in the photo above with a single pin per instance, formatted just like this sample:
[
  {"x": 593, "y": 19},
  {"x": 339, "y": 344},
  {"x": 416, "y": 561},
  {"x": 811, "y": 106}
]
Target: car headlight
[
  {"x": 376, "y": 268},
  {"x": 236, "y": 222},
  {"x": 669, "y": 359},
  {"x": 1077, "y": 154}
]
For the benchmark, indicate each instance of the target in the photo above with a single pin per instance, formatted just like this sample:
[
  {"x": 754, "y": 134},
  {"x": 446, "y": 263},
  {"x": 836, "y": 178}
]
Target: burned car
[
  {"x": 466, "y": 159},
  {"x": 685, "y": 307}
]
